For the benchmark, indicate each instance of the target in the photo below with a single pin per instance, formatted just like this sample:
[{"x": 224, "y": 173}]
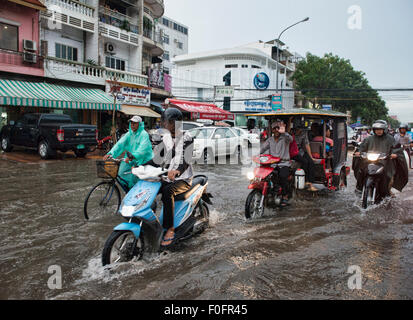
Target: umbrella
[{"x": 356, "y": 125}]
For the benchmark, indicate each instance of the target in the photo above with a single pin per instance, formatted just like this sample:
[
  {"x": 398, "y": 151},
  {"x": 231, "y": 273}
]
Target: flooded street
[{"x": 303, "y": 252}]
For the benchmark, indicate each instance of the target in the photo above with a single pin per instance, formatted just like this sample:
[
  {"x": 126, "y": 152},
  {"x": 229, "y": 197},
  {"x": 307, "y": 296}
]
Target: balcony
[
  {"x": 153, "y": 40},
  {"x": 21, "y": 62},
  {"x": 72, "y": 13},
  {"x": 83, "y": 72},
  {"x": 115, "y": 25},
  {"x": 157, "y": 7}
]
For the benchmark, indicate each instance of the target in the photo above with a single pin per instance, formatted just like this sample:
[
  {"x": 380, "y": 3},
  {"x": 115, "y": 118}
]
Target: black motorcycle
[{"x": 374, "y": 171}]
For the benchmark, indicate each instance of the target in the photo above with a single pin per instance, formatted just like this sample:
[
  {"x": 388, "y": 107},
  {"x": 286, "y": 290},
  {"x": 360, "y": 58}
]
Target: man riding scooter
[
  {"x": 174, "y": 153},
  {"x": 137, "y": 143},
  {"x": 382, "y": 143}
]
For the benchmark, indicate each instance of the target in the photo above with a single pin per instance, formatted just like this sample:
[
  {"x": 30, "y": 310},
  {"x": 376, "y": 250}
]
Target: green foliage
[{"x": 333, "y": 80}]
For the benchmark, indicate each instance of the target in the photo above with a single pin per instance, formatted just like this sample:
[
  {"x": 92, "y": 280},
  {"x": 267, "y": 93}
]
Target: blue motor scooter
[{"x": 143, "y": 231}]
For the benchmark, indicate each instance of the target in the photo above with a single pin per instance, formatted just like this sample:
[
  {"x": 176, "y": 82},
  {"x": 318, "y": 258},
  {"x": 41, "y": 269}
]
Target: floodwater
[{"x": 303, "y": 252}]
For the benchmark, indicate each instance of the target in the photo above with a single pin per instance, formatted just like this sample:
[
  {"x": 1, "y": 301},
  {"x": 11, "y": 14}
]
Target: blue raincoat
[{"x": 139, "y": 145}]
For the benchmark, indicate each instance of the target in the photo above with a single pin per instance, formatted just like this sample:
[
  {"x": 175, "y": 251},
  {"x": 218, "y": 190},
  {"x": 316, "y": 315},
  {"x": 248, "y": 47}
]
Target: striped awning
[{"x": 39, "y": 94}]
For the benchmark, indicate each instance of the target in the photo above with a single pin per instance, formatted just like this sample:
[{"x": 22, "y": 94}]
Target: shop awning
[
  {"x": 139, "y": 111},
  {"x": 200, "y": 110},
  {"x": 39, "y": 94},
  {"x": 35, "y": 4}
]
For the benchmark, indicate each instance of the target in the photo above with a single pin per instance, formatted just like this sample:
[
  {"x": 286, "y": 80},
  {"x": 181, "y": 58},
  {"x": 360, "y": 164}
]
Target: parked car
[
  {"x": 212, "y": 142},
  {"x": 188, "y": 125},
  {"x": 252, "y": 138},
  {"x": 47, "y": 133}
]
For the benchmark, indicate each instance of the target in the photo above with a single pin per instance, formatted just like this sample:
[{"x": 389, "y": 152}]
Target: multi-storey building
[
  {"x": 92, "y": 43},
  {"x": 251, "y": 70},
  {"x": 175, "y": 41}
]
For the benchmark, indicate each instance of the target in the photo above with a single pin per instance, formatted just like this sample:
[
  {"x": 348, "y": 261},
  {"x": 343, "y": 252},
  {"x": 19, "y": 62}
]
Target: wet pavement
[{"x": 303, "y": 252}]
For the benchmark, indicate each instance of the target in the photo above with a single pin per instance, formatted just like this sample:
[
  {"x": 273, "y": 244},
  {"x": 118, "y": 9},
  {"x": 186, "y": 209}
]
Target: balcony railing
[
  {"x": 83, "y": 72},
  {"x": 11, "y": 58},
  {"x": 153, "y": 35},
  {"x": 117, "y": 19},
  {"x": 73, "y": 5}
]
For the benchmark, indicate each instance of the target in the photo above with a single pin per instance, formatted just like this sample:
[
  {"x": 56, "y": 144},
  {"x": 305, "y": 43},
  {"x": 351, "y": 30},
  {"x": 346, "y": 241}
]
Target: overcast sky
[{"x": 382, "y": 48}]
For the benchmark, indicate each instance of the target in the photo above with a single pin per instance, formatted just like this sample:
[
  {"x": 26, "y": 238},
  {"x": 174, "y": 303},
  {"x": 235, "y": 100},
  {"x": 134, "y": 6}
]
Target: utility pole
[{"x": 115, "y": 89}]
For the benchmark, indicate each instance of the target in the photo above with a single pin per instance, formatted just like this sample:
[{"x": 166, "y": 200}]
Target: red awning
[{"x": 200, "y": 110}]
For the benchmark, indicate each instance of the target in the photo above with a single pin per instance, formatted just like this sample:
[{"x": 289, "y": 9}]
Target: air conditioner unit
[
  {"x": 109, "y": 48},
  {"x": 29, "y": 57},
  {"x": 29, "y": 45}
]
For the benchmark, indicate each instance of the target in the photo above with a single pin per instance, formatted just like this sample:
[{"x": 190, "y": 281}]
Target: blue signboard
[
  {"x": 277, "y": 102},
  {"x": 327, "y": 107},
  {"x": 261, "y": 81}
]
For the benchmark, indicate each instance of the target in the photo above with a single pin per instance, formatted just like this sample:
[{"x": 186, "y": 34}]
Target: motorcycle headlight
[
  {"x": 128, "y": 211},
  {"x": 373, "y": 156},
  {"x": 250, "y": 175}
]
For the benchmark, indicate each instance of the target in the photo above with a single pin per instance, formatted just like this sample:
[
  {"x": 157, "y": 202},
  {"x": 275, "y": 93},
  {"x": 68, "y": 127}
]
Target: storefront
[{"x": 83, "y": 105}]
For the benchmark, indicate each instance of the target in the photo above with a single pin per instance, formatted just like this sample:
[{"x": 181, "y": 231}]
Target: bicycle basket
[{"x": 107, "y": 169}]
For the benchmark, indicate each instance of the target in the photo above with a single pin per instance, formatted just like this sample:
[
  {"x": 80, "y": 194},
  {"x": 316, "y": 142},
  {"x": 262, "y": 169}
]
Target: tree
[{"x": 333, "y": 80}]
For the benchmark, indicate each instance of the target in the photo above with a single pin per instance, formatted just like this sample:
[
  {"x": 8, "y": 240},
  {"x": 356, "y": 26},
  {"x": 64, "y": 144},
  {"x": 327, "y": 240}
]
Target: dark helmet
[{"x": 172, "y": 114}]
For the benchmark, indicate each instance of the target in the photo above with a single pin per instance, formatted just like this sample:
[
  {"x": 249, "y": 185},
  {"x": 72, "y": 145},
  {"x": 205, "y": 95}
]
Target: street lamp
[{"x": 278, "y": 42}]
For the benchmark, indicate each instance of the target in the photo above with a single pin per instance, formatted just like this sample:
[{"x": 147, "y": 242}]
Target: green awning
[{"x": 39, "y": 94}]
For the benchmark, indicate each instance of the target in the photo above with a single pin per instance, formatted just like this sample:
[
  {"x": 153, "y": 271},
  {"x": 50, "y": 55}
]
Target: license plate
[{"x": 81, "y": 146}]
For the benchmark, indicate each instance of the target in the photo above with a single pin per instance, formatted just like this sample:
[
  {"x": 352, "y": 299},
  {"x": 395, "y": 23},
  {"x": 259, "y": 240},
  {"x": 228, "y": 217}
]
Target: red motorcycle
[
  {"x": 105, "y": 144},
  {"x": 265, "y": 186}
]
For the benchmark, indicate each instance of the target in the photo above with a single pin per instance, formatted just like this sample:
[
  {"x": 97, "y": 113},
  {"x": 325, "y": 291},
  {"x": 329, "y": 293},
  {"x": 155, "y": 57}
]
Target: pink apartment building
[{"x": 19, "y": 37}]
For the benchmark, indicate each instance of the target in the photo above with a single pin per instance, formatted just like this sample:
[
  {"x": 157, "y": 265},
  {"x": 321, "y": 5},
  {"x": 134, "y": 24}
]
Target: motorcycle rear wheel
[
  {"x": 122, "y": 246},
  {"x": 201, "y": 214},
  {"x": 252, "y": 205}
]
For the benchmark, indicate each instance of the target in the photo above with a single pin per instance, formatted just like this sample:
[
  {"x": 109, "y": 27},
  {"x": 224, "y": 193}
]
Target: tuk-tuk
[{"x": 331, "y": 167}]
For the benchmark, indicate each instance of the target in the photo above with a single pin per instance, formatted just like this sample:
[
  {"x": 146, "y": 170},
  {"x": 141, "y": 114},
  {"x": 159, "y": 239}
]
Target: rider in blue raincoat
[{"x": 137, "y": 142}]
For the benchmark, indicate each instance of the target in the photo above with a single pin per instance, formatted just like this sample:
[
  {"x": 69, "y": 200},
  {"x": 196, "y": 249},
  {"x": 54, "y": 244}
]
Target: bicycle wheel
[{"x": 103, "y": 200}]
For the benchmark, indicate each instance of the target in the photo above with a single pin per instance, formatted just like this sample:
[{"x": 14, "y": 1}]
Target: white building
[
  {"x": 251, "y": 69},
  {"x": 175, "y": 41},
  {"x": 95, "y": 41},
  {"x": 119, "y": 36}
]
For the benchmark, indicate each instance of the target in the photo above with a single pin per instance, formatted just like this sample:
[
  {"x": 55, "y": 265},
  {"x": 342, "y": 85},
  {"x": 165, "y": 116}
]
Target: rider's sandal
[{"x": 168, "y": 241}]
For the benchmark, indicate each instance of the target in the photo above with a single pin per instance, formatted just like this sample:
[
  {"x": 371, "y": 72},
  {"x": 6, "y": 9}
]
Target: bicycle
[{"x": 105, "y": 197}]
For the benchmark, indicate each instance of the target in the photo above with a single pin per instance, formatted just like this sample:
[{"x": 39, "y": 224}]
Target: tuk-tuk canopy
[{"x": 308, "y": 113}]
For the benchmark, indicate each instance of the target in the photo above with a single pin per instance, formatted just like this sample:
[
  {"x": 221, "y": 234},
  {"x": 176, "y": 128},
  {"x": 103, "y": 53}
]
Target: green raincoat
[{"x": 139, "y": 145}]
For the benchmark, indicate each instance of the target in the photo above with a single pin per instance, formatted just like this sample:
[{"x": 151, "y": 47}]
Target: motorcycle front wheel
[
  {"x": 122, "y": 246},
  {"x": 252, "y": 205},
  {"x": 367, "y": 198}
]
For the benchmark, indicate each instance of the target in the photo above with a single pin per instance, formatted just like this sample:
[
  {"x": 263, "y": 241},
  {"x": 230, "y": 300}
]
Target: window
[
  {"x": 180, "y": 45},
  {"x": 229, "y": 134},
  {"x": 229, "y": 66},
  {"x": 186, "y": 31},
  {"x": 166, "y": 70},
  {"x": 66, "y": 52},
  {"x": 115, "y": 63},
  {"x": 227, "y": 103},
  {"x": 166, "y": 55},
  {"x": 175, "y": 26},
  {"x": 244, "y": 66},
  {"x": 256, "y": 67},
  {"x": 9, "y": 37},
  {"x": 221, "y": 133},
  {"x": 165, "y": 22},
  {"x": 165, "y": 38}
]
